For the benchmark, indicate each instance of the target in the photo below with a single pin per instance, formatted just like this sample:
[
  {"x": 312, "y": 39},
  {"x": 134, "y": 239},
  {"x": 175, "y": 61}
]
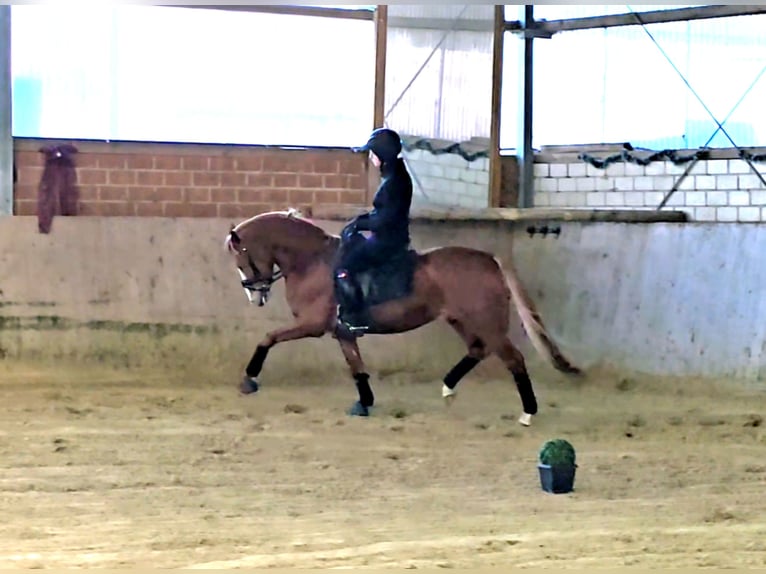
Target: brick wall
[
  {"x": 722, "y": 188},
  {"x": 187, "y": 180}
]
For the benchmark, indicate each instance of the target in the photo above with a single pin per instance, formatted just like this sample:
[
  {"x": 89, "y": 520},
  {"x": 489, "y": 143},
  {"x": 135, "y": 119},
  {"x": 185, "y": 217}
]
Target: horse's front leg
[
  {"x": 362, "y": 379},
  {"x": 300, "y": 331}
]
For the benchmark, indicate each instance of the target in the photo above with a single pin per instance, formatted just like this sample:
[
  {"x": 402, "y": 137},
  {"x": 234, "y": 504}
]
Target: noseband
[{"x": 260, "y": 286}]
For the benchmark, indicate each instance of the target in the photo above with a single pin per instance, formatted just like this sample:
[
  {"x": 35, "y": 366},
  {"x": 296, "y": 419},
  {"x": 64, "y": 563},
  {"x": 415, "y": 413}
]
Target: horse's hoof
[
  {"x": 448, "y": 394},
  {"x": 525, "y": 419},
  {"x": 358, "y": 410},
  {"x": 248, "y": 386}
]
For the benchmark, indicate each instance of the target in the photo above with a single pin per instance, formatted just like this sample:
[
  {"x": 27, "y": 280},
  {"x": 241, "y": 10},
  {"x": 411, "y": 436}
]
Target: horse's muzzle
[
  {"x": 263, "y": 296},
  {"x": 251, "y": 287},
  {"x": 260, "y": 286},
  {"x": 264, "y": 292}
]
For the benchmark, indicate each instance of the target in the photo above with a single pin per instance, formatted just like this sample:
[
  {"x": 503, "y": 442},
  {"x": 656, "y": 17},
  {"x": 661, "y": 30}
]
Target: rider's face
[{"x": 374, "y": 159}]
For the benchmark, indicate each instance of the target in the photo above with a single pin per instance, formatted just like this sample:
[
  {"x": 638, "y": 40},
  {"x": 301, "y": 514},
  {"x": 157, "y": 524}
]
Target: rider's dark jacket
[{"x": 389, "y": 220}]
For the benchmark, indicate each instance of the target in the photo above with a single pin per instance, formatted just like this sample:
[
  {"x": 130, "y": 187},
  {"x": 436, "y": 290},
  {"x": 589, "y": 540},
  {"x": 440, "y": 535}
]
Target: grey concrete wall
[
  {"x": 163, "y": 293},
  {"x": 665, "y": 298}
]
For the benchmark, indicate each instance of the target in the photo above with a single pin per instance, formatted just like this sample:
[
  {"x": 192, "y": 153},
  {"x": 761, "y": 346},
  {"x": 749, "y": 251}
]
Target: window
[
  {"x": 153, "y": 73},
  {"x": 614, "y": 85}
]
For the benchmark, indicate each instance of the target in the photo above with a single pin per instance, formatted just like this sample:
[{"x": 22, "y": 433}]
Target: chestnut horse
[{"x": 466, "y": 287}]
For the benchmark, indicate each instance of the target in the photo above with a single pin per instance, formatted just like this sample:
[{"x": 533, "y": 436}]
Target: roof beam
[
  {"x": 412, "y": 23},
  {"x": 350, "y": 14},
  {"x": 545, "y": 28}
]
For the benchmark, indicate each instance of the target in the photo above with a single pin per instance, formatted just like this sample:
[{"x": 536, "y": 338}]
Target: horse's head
[
  {"x": 255, "y": 263},
  {"x": 271, "y": 245}
]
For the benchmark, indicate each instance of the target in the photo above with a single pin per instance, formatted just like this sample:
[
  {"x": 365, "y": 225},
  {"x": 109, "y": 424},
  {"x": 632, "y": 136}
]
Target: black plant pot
[{"x": 557, "y": 479}]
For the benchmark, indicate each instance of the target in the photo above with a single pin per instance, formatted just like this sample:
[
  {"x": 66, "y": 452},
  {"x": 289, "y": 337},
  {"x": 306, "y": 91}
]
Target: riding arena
[{"x": 585, "y": 270}]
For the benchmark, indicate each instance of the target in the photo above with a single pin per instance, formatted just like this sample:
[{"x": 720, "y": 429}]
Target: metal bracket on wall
[
  {"x": 544, "y": 230},
  {"x": 529, "y": 31}
]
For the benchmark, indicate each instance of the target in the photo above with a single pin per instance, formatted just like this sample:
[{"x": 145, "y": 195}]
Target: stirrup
[
  {"x": 345, "y": 331},
  {"x": 355, "y": 328},
  {"x": 351, "y": 326},
  {"x": 345, "y": 327}
]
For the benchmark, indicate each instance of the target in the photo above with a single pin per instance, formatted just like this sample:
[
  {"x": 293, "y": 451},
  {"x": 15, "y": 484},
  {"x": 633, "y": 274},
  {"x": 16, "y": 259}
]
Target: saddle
[{"x": 391, "y": 280}]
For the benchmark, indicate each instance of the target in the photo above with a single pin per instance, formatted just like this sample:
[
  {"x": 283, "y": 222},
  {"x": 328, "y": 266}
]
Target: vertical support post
[
  {"x": 524, "y": 149},
  {"x": 6, "y": 135},
  {"x": 381, "y": 44},
  {"x": 495, "y": 165},
  {"x": 379, "y": 103}
]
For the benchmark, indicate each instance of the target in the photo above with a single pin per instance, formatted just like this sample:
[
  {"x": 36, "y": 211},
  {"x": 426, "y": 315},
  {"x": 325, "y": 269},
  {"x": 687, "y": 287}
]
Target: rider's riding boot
[{"x": 351, "y": 317}]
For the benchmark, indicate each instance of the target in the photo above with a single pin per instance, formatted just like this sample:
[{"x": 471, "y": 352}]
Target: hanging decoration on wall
[
  {"x": 57, "y": 192},
  {"x": 466, "y": 150},
  {"x": 668, "y": 154},
  {"x": 756, "y": 157},
  {"x": 626, "y": 156}
]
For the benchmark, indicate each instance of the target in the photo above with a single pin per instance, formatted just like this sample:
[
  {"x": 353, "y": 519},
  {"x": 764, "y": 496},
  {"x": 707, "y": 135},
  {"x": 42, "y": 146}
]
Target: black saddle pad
[{"x": 391, "y": 280}]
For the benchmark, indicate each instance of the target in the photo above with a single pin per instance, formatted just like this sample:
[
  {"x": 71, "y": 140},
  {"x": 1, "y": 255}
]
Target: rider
[{"x": 388, "y": 223}]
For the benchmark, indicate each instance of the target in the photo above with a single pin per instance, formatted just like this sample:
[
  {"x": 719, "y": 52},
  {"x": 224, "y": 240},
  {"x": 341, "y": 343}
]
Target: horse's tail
[{"x": 533, "y": 324}]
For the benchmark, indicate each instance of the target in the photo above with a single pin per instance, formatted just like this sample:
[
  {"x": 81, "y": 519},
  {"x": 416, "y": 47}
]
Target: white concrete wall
[
  {"x": 448, "y": 180},
  {"x": 723, "y": 190}
]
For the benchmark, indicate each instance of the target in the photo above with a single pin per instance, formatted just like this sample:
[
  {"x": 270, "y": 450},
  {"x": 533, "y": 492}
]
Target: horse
[{"x": 468, "y": 288}]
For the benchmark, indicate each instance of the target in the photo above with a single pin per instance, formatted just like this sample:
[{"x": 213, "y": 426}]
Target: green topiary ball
[{"x": 557, "y": 452}]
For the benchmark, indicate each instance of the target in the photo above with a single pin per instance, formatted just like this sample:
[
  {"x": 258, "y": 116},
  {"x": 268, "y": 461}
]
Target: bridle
[{"x": 262, "y": 286}]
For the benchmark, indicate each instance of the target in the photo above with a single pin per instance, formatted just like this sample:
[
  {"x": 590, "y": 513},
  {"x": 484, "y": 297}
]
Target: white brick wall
[
  {"x": 448, "y": 179},
  {"x": 714, "y": 190}
]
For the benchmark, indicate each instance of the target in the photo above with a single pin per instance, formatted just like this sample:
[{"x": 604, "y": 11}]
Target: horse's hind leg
[
  {"x": 514, "y": 362},
  {"x": 361, "y": 377},
  {"x": 476, "y": 352}
]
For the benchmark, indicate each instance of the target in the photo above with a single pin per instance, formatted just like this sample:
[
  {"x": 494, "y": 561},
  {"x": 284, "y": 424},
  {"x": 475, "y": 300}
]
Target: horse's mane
[{"x": 265, "y": 225}]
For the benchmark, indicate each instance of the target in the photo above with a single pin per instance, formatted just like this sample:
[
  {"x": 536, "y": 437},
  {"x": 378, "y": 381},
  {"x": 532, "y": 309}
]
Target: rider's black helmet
[{"x": 384, "y": 143}]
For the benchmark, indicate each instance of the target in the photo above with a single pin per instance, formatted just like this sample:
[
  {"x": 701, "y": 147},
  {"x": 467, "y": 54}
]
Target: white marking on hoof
[
  {"x": 525, "y": 419},
  {"x": 448, "y": 394}
]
